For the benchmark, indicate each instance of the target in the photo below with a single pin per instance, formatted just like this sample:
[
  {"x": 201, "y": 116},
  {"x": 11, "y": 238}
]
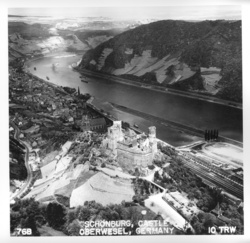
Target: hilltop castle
[{"x": 131, "y": 149}]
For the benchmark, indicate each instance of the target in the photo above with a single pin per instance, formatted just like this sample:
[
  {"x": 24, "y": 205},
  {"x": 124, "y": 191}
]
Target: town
[
  {"x": 126, "y": 126},
  {"x": 64, "y": 150}
]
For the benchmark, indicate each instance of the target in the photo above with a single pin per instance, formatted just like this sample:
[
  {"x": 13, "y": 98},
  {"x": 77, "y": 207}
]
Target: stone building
[
  {"x": 98, "y": 125},
  {"x": 115, "y": 135},
  {"x": 132, "y": 150}
]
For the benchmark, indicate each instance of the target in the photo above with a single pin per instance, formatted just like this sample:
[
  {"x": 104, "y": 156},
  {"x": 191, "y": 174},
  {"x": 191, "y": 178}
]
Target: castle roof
[
  {"x": 97, "y": 122},
  {"x": 216, "y": 210},
  {"x": 129, "y": 133}
]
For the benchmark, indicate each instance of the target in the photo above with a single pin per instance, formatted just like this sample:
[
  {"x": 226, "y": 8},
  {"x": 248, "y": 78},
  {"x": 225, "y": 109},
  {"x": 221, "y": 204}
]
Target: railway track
[{"x": 235, "y": 190}]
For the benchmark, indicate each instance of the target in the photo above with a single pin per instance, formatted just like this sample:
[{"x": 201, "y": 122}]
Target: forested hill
[
  {"x": 204, "y": 56},
  {"x": 29, "y": 31}
]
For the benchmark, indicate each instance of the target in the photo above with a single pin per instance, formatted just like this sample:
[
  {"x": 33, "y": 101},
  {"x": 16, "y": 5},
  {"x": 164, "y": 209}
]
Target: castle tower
[
  {"x": 114, "y": 135},
  {"x": 152, "y": 138},
  {"x": 118, "y": 124},
  {"x": 30, "y": 85}
]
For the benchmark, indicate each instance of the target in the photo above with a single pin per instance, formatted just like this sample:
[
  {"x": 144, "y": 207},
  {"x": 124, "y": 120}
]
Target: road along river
[{"x": 191, "y": 112}]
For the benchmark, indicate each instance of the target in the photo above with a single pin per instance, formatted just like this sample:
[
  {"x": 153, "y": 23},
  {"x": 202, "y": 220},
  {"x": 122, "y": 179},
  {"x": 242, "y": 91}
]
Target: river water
[{"x": 192, "y": 112}]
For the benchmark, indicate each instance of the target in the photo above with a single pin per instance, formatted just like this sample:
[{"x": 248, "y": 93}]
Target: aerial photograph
[{"x": 125, "y": 121}]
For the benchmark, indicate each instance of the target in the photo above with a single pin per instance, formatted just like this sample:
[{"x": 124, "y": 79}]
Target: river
[{"x": 191, "y": 112}]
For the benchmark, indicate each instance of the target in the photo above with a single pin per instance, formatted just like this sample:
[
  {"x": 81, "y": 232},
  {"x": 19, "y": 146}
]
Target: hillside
[
  {"x": 42, "y": 39},
  {"x": 92, "y": 38},
  {"x": 28, "y": 31},
  {"x": 202, "y": 56}
]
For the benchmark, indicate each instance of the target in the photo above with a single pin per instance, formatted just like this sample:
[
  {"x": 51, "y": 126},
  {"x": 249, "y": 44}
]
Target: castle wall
[
  {"x": 128, "y": 155},
  {"x": 131, "y": 159}
]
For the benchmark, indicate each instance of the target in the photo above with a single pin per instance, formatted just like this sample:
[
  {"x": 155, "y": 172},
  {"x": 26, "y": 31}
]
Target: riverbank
[
  {"x": 56, "y": 54},
  {"x": 59, "y": 88},
  {"x": 193, "y": 112},
  {"x": 89, "y": 103},
  {"x": 189, "y": 94}
]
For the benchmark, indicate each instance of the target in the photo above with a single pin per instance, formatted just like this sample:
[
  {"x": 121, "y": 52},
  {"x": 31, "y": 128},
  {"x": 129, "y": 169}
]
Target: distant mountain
[
  {"x": 92, "y": 38},
  {"x": 24, "y": 16},
  {"x": 20, "y": 16},
  {"x": 38, "y": 38},
  {"x": 204, "y": 56},
  {"x": 28, "y": 31}
]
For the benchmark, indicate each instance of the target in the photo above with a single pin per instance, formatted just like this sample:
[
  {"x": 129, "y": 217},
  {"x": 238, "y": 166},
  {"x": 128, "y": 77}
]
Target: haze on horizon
[{"x": 211, "y": 12}]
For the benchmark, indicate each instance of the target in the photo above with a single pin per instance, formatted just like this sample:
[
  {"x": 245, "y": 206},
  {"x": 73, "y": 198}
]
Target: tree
[
  {"x": 170, "y": 71},
  {"x": 134, "y": 215},
  {"x": 223, "y": 206},
  {"x": 205, "y": 135},
  {"x": 194, "y": 220},
  {"x": 73, "y": 228},
  {"x": 209, "y": 220},
  {"x": 70, "y": 216},
  {"x": 201, "y": 216},
  {"x": 84, "y": 214},
  {"x": 212, "y": 134},
  {"x": 209, "y": 135},
  {"x": 28, "y": 214},
  {"x": 239, "y": 226},
  {"x": 197, "y": 194},
  {"x": 30, "y": 222},
  {"x": 198, "y": 227},
  {"x": 156, "y": 175},
  {"x": 14, "y": 220},
  {"x": 191, "y": 195},
  {"x": 55, "y": 215}
]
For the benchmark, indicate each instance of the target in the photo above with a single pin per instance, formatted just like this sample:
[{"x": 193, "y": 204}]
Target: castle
[{"x": 132, "y": 150}]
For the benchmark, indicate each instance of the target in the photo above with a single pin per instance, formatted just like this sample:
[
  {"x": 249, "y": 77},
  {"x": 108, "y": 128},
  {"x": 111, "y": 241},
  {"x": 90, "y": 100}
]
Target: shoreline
[
  {"x": 174, "y": 125},
  {"x": 165, "y": 90},
  {"x": 89, "y": 104},
  {"x": 52, "y": 54},
  {"x": 187, "y": 94}
]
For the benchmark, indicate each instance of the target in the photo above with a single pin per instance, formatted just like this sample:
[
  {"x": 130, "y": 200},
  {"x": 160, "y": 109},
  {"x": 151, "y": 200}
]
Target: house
[
  {"x": 217, "y": 210},
  {"x": 218, "y": 213},
  {"x": 98, "y": 125},
  {"x": 71, "y": 119}
]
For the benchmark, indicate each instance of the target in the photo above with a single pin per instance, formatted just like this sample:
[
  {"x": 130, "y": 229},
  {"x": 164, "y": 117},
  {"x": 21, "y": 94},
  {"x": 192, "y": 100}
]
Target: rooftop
[{"x": 97, "y": 122}]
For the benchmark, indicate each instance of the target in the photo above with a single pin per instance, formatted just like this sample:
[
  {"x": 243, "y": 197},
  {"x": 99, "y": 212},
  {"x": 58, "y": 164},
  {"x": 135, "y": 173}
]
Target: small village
[{"x": 77, "y": 155}]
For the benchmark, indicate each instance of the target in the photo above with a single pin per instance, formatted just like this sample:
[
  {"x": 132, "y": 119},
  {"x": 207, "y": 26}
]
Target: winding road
[{"x": 27, "y": 183}]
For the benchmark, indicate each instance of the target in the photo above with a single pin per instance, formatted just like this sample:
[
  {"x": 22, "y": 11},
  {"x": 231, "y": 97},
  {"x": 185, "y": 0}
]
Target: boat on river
[
  {"x": 83, "y": 79},
  {"x": 47, "y": 77}
]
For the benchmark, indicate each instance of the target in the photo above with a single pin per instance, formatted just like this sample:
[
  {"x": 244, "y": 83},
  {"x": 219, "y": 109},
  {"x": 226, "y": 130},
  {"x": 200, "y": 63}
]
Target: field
[
  {"x": 226, "y": 153},
  {"x": 49, "y": 157},
  {"x": 140, "y": 65},
  {"x": 102, "y": 189},
  {"x": 158, "y": 205},
  {"x": 211, "y": 78}
]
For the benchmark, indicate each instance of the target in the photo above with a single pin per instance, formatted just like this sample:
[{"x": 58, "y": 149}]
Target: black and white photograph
[{"x": 125, "y": 121}]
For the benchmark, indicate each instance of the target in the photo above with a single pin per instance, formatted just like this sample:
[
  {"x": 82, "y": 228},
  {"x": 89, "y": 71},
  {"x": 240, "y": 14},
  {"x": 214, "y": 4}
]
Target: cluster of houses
[{"x": 50, "y": 103}]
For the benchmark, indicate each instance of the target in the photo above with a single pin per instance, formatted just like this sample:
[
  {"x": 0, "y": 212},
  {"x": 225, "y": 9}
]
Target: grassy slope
[
  {"x": 28, "y": 31},
  {"x": 206, "y": 44}
]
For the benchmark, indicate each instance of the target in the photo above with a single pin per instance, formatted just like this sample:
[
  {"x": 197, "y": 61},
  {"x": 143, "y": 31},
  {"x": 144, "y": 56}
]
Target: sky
[{"x": 158, "y": 12}]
